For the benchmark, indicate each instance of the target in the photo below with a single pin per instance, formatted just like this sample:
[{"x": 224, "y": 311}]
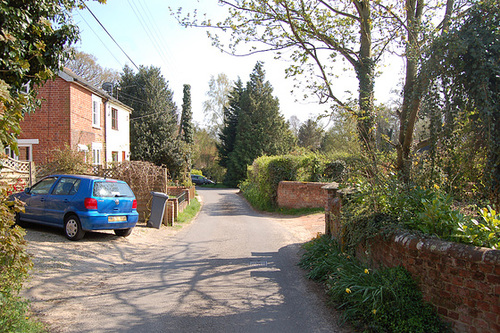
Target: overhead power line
[
  {"x": 133, "y": 63},
  {"x": 102, "y": 42},
  {"x": 143, "y": 15}
]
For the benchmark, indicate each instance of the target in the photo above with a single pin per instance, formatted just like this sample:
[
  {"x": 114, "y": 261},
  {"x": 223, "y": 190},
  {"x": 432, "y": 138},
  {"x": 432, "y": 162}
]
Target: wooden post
[{"x": 165, "y": 180}]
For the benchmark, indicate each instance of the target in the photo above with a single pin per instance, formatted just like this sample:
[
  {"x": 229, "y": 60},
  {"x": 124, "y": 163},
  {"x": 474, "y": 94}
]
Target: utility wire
[
  {"x": 156, "y": 32},
  {"x": 148, "y": 30},
  {"x": 133, "y": 63},
  {"x": 105, "y": 45}
]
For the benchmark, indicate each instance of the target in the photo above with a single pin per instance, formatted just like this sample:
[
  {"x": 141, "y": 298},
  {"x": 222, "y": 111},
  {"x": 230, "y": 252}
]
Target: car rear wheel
[
  {"x": 73, "y": 228},
  {"x": 123, "y": 232}
]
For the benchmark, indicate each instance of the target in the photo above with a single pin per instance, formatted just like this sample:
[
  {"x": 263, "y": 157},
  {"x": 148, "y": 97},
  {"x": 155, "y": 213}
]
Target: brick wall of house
[
  {"x": 64, "y": 119},
  {"x": 50, "y": 123},
  {"x": 82, "y": 131},
  {"x": 301, "y": 195},
  {"x": 461, "y": 281}
]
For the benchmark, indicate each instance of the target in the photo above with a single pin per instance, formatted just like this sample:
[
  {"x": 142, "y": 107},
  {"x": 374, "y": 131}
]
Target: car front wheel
[
  {"x": 73, "y": 228},
  {"x": 123, "y": 232}
]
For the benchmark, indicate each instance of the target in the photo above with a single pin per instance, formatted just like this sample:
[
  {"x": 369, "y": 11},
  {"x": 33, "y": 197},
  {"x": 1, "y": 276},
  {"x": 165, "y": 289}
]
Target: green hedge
[{"x": 264, "y": 175}]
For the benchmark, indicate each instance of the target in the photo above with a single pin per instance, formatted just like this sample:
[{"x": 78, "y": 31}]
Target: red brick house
[{"x": 73, "y": 113}]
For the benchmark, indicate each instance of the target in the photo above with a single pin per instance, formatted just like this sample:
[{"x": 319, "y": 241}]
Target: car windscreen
[{"x": 112, "y": 189}]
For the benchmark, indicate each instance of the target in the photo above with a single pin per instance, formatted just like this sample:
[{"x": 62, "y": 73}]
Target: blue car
[{"x": 80, "y": 203}]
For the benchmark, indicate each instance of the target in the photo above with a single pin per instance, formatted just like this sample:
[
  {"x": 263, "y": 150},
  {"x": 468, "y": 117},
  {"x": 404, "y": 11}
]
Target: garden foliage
[
  {"x": 15, "y": 264},
  {"x": 380, "y": 300},
  {"x": 385, "y": 204},
  {"x": 264, "y": 175}
]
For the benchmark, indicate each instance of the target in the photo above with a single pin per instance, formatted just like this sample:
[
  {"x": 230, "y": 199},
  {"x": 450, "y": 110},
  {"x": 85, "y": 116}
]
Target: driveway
[{"x": 231, "y": 270}]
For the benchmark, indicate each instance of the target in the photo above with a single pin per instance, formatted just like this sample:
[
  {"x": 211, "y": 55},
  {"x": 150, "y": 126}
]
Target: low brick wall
[
  {"x": 461, "y": 281},
  {"x": 301, "y": 195},
  {"x": 177, "y": 190}
]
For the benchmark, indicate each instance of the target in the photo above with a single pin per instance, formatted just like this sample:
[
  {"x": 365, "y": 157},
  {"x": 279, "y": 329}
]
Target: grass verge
[{"x": 189, "y": 213}]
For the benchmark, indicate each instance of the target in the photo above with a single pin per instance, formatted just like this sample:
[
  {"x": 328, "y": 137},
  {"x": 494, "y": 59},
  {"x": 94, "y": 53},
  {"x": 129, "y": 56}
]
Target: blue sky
[{"x": 149, "y": 35}]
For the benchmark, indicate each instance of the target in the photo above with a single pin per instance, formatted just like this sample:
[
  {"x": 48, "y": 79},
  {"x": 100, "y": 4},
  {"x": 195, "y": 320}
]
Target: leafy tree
[
  {"x": 205, "y": 154},
  {"x": 294, "y": 123},
  {"x": 261, "y": 129},
  {"x": 466, "y": 77},
  {"x": 218, "y": 95},
  {"x": 86, "y": 66},
  {"x": 34, "y": 37},
  {"x": 341, "y": 136},
  {"x": 359, "y": 32},
  {"x": 185, "y": 137},
  {"x": 153, "y": 123},
  {"x": 310, "y": 135}
]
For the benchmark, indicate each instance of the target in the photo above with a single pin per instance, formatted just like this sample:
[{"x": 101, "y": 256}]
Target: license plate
[{"x": 117, "y": 218}]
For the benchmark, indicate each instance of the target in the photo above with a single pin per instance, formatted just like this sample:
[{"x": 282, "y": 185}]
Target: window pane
[
  {"x": 67, "y": 186},
  {"x": 109, "y": 189},
  {"x": 43, "y": 187}
]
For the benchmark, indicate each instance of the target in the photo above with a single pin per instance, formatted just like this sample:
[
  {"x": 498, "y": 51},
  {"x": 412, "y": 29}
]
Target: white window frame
[
  {"x": 96, "y": 153},
  {"x": 23, "y": 143},
  {"x": 96, "y": 111},
  {"x": 114, "y": 124}
]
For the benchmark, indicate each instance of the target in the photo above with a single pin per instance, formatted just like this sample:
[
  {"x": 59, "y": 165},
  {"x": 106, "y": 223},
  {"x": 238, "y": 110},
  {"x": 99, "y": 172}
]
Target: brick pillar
[
  {"x": 172, "y": 207},
  {"x": 332, "y": 209}
]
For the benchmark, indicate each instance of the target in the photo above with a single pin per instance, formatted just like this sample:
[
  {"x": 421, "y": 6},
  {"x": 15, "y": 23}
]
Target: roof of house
[{"x": 67, "y": 75}]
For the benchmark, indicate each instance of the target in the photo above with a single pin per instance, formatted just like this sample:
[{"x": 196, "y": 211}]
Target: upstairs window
[
  {"x": 96, "y": 111},
  {"x": 114, "y": 119}
]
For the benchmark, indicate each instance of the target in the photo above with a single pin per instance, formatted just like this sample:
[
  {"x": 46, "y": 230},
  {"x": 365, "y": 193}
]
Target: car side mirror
[{"x": 27, "y": 190}]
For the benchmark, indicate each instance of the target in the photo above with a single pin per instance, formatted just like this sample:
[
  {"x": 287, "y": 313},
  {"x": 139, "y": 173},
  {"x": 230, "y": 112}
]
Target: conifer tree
[
  {"x": 227, "y": 136},
  {"x": 260, "y": 130},
  {"x": 153, "y": 123},
  {"x": 186, "y": 130}
]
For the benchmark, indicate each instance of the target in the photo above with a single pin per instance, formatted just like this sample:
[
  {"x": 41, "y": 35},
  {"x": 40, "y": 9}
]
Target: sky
[{"x": 149, "y": 35}]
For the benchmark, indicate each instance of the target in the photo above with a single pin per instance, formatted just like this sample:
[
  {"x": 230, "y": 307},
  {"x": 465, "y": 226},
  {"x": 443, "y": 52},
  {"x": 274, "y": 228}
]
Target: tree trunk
[
  {"x": 365, "y": 71},
  {"x": 415, "y": 83}
]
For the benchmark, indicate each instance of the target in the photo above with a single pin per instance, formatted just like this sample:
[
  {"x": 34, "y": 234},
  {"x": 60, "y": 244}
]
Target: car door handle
[{"x": 42, "y": 199}]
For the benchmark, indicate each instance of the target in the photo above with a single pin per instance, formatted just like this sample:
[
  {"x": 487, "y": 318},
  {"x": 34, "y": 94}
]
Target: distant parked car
[
  {"x": 200, "y": 180},
  {"x": 80, "y": 203}
]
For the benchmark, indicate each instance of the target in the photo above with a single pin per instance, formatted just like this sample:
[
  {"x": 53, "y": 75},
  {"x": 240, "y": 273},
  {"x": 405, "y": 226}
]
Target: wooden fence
[{"x": 19, "y": 174}]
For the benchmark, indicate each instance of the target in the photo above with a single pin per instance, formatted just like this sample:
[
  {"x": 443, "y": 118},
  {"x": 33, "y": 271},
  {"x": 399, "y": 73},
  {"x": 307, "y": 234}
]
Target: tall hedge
[{"x": 265, "y": 173}]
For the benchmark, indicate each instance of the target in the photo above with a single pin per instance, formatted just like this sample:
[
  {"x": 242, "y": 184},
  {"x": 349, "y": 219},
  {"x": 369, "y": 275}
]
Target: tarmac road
[{"x": 231, "y": 270}]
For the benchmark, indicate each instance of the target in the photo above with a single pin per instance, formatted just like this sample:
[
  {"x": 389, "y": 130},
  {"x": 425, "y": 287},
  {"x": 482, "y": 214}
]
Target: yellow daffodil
[
  {"x": 367, "y": 271},
  {"x": 436, "y": 186},
  {"x": 374, "y": 311},
  {"x": 347, "y": 290}
]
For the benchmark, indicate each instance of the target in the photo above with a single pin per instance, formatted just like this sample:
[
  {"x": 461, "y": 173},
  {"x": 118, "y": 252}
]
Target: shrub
[
  {"x": 484, "y": 231},
  {"x": 267, "y": 171},
  {"x": 196, "y": 172},
  {"x": 386, "y": 204},
  {"x": 65, "y": 161},
  {"x": 14, "y": 266},
  {"x": 254, "y": 196}
]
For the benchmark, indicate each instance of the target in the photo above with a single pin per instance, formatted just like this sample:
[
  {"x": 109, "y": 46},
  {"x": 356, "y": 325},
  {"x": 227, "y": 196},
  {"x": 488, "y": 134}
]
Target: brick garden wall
[
  {"x": 461, "y": 281},
  {"x": 301, "y": 195}
]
